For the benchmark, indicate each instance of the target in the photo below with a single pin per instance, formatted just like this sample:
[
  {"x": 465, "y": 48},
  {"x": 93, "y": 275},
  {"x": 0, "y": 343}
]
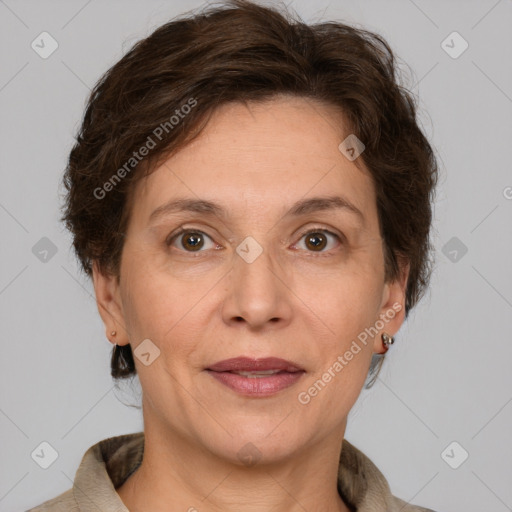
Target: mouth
[{"x": 256, "y": 377}]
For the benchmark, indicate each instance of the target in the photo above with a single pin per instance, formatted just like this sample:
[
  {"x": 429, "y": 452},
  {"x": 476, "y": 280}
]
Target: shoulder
[
  {"x": 403, "y": 506},
  {"x": 362, "y": 484},
  {"x": 64, "y": 502},
  {"x": 103, "y": 467}
]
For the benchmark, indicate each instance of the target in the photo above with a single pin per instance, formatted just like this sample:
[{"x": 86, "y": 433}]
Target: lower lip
[{"x": 257, "y": 386}]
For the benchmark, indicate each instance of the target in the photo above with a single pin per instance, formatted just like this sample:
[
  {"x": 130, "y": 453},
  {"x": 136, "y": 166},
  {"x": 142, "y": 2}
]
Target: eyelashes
[
  {"x": 313, "y": 234},
  {"x": 318, "y": 237},
  {"x": 197, "y": 234}
]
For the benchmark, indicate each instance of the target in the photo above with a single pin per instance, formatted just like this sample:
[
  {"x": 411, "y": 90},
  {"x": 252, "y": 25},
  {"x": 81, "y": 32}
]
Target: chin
[{"x": 252, "y": 441}]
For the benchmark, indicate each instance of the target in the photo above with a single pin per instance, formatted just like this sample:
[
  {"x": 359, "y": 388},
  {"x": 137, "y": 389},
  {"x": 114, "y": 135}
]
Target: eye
[
  {"x": 191, "y": 240},
  {"x": 317, "y": 239}
]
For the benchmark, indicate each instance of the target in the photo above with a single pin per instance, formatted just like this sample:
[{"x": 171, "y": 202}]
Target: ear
[
  {"x": 392, "y": 312},
  {"x": 108, "y": 300}
]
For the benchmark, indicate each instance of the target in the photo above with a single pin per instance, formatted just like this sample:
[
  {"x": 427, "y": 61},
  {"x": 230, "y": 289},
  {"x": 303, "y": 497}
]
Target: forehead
[{"x": 276, "y": 152}]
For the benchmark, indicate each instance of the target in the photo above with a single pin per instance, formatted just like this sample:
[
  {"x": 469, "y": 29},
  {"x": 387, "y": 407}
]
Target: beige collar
[{"x": 107, "y": 464}]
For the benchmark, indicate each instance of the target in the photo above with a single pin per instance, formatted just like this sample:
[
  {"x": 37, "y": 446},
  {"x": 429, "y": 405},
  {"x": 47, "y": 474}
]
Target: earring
[
  {"x": 387, "y": 340},
  {"x": 113, "y": 333}
]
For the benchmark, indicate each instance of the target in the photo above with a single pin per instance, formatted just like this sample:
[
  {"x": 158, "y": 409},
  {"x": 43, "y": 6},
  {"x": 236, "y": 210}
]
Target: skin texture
[{"x": 294, "y": 301}]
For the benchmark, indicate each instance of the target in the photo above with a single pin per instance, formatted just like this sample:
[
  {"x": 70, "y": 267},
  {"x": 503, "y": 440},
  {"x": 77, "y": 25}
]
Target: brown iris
[
  {"x": 196, "y": 241},
  {"x": 314, "y": 238}
]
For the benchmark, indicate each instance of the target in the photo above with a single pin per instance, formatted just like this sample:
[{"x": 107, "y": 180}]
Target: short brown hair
[{"x": 166, "y": 87}]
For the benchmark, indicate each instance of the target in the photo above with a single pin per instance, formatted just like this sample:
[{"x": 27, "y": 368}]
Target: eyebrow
[{"x": 302, "y": 207}]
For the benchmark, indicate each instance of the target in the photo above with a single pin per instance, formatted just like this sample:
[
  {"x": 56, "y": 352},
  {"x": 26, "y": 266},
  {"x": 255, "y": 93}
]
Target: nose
[{"x": 259, "y": 293}]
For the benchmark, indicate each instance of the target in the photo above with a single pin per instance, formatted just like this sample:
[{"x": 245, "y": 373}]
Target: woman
[{"x": 252, "y": 199}]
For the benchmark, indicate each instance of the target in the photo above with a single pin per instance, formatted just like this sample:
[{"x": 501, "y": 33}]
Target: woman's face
[{"x": 245, "y": 281}]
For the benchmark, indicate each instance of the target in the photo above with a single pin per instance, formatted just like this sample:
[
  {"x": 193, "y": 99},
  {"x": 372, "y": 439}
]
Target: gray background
[{"x": 447, "y": 378}]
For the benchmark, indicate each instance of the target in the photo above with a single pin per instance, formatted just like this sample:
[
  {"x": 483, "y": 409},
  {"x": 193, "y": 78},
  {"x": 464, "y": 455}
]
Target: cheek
[
  {"x": 345, "y": 300},
  {"x": 166, "y": 310}
]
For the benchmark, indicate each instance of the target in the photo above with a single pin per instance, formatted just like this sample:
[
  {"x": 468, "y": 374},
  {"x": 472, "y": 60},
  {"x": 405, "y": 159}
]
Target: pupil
[
  {"x": 316, "y": 236},
  {"x": 193, "y": 240}
]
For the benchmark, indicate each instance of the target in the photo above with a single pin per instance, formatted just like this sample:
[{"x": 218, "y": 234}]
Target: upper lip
[{"x": 247, "y": 364}]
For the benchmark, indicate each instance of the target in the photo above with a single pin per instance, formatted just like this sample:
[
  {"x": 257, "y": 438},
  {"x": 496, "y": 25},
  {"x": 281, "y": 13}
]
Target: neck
[{"x": 303, "y": 481}]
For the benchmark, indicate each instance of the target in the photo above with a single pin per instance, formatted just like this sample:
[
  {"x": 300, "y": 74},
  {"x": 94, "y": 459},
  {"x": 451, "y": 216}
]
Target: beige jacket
[{"x": 107, "y": 464}]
